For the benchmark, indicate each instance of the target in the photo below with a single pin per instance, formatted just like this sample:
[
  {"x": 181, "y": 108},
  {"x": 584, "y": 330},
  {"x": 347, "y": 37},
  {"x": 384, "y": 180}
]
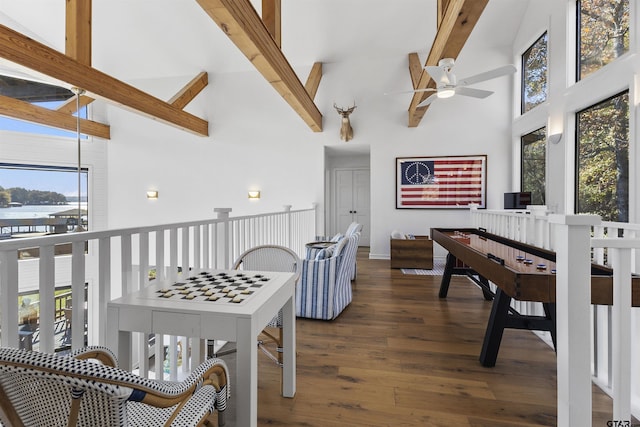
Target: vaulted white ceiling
[{"x": 134, "y": 39}]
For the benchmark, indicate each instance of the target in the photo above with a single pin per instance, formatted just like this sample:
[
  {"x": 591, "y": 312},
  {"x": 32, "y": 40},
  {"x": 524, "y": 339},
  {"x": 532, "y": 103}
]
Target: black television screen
[{"x": 517, "y": 200}]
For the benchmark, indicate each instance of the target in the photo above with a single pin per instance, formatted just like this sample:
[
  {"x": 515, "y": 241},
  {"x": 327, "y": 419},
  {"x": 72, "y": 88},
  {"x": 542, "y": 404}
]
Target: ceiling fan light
[{"x": 446, "y": 93}]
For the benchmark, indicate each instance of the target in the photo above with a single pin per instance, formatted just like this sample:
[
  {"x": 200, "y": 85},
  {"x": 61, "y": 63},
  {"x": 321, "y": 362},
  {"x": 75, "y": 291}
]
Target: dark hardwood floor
[{"x": 400, "y": 356}]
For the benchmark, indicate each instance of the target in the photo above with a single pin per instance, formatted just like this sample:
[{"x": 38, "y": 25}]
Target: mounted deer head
[{"x": 346, "y": 131}]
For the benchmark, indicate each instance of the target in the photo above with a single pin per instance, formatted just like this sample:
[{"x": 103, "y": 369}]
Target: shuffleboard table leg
[
  {"x": 495, "y": 329},
  {"x": 446, "y": 276},
  {"x": 550, "y": 313},
  {"x": 486, "y": 291}
]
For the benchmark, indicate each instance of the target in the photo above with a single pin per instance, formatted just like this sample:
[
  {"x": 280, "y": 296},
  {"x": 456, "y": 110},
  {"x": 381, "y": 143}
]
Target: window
[
  {"x": 534, "y": 75},
  {"x": 602, "y": 160},
  {"x": 603, "y": 33},
  {"x": 40, "y": 199},
  {"x": 41, "y": 94},
  {"x": 533, "y": 170}
]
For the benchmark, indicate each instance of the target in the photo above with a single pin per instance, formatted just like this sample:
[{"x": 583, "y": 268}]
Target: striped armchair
[
  {"x": 324, "y": 288},
  {"x": 42, "y": 389}
]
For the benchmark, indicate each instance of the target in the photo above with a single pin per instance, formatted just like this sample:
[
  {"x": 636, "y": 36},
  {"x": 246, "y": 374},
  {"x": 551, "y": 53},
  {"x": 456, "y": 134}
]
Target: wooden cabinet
[{"x": 412, "y": 253}]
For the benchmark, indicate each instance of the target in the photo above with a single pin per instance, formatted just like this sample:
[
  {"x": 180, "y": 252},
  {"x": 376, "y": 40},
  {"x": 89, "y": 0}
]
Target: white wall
[{"x": 257, "y": 141}]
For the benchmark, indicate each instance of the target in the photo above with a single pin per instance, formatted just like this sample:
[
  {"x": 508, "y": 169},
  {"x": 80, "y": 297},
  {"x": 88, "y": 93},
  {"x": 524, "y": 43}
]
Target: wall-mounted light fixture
[
  {"x": 254, "y": 195},
  {"x": 554, "y": 138},
  {"x": 152, "y": 194}
]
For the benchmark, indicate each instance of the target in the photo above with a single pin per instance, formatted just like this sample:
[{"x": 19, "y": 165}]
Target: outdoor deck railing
[
  {"x": 107, "y": 264},
  {"x": 610, "y": 334}
]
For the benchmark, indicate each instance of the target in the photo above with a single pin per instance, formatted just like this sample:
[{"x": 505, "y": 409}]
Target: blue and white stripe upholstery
[
  {"x": 42, "y": 389},
  {"x": 324, "y": 288}
]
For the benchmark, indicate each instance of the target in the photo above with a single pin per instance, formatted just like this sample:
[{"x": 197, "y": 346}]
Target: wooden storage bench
[{"x": 412, "y": 253}]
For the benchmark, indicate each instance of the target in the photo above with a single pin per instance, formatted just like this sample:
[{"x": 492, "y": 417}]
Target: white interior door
[{"x": 352, "y": 201}]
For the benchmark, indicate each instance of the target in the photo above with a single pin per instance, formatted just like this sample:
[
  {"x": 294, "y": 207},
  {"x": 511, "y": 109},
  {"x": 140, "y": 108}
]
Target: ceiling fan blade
[
  {"x": 472, "y": 92},
  {"x": 488, "y": 75},
  {"x": 438, "y": 74},
  {"x": 395, "y": 92},
  {"x": 427, "y": 101}
]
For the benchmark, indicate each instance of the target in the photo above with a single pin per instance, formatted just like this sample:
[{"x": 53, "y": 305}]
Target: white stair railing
[
  {"x": 112, "y": 263},
  {"x": 614, "y": 332}
]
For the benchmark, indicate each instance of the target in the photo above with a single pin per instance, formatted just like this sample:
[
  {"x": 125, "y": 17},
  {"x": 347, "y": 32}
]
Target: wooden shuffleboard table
[{"x": 519, "y": 271}]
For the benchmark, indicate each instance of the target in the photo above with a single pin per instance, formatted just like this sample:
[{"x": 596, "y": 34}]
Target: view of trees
[
  {"x": 603, "y": 159},
  {"x": 602, "y": 143},
  {"x": 602, "y": 137},
  {"x": 603, "y": 33},
  {"x": 534, "y": 74},
  {"x": 30, "y": 197},
  {"x": 534, "y": 164}
]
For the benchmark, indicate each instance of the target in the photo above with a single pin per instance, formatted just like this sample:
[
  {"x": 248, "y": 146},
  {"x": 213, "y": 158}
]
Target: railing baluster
[
  {"x": 173, "y": 254},
  {"x": 47, "y": 298},
  {"x": 104, "y": 286},
  {"x": 186, "y": 264},
  {"x": 160, "y": 261},
  {"x": 197, "y": 250},
  {"x": 77, "y": 294},
  {"x": 9, "y": 295}
]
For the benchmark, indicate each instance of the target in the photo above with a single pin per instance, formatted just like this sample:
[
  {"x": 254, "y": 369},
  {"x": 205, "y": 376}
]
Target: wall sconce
[
  {"x": 254, "y": 195},
  {"x": 554, "y": 138},
  {"x": 152, "y": 194}
]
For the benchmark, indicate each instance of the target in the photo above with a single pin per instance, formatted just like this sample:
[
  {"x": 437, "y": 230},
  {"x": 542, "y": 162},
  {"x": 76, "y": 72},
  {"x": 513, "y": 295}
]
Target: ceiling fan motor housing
[{"x": 446, "y": 62}]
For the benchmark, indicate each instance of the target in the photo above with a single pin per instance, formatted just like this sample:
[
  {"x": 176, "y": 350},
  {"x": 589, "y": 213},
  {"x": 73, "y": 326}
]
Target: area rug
[{"x": 437, "y": 270}]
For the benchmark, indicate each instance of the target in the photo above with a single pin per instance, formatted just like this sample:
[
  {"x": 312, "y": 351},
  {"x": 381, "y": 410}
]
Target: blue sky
[{"x": 64, "y": 182}]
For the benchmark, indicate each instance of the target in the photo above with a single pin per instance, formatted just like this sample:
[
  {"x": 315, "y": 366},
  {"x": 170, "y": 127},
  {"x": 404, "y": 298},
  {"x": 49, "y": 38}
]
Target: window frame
[
  {"x": 576, "y": 184},
  {"x": 522, "y": 161},
  {"x": 578, "y": 44},
  {"x": 523, "y": 73}
]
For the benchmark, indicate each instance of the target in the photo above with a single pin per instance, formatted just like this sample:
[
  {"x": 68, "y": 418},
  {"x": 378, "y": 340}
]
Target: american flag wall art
[{"x": 440, "y": 182}]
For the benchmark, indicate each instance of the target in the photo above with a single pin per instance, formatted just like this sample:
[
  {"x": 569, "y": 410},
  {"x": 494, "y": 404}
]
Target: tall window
[
  {"x": 533, "y": 168},
  {"x": 602, "y": 170},
  {"x": 603, "y": 33},
  {"x": 534, "y": 75}
]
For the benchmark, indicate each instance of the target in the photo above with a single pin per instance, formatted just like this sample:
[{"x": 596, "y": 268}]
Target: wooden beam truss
[
  {"x": 22, "y": 110},
  {"x": 455, "y": 25},
  {"x": 241, "y": 23},
  {"x": 29, "y": 53}
]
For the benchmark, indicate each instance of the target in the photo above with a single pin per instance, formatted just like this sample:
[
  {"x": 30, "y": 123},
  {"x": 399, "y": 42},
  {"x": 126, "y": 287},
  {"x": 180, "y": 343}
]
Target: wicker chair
[
  {"x": 324, "y": 288},
  {"x": 270, "y": 258},
  {"x": 42, "y": 389}
]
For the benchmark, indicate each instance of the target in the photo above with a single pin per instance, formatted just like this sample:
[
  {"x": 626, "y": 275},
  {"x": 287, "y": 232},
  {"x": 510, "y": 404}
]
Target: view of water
[{"x": 36, "y": 211}]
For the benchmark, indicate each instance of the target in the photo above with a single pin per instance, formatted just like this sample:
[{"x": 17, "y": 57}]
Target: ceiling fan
[{"x": 448, "y": 85}]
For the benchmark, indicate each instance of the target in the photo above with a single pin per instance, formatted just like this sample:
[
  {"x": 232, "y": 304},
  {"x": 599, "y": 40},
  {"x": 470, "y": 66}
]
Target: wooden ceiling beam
[
  {"x": 271, "y": 16},
  {"x": 22, "y": 110},
  {"x": 313, "y": 80},
  {"x": 415, "y": 69},
  {"x": 458, "y": 20},
  {"x": 69, "y": 106},
  {"x": 78, "y": 30},
  {"x": 29, "y": 53},
  {"x": 190, "y": 91},
  {"x": 241, "y": 23}
]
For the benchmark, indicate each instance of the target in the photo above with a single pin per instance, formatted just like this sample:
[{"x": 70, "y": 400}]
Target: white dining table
[{"x": 148, "y": 311}]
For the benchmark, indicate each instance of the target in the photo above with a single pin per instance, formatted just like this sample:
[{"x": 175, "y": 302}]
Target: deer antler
[{"x": 343, "y": 112}]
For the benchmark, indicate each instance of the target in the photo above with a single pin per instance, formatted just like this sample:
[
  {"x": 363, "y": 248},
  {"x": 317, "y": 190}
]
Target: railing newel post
[
  {"x": 224, "y": 244},
  {"x": 573, "y": 302}
]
